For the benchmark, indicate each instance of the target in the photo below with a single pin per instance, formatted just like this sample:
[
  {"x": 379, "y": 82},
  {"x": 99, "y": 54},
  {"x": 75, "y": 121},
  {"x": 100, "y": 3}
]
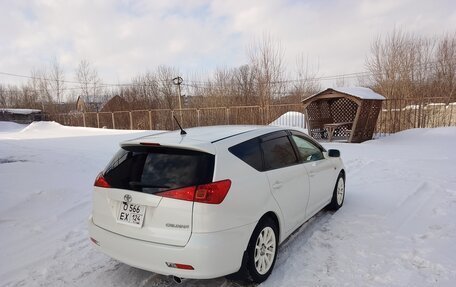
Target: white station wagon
[{"x": 213, "y": 201}]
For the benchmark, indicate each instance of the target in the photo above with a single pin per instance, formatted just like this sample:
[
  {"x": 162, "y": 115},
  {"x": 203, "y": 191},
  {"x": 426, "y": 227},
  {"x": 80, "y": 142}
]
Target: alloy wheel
[
  {"x": 340, "y": 191},
  {"x": 265, "y": 250}
]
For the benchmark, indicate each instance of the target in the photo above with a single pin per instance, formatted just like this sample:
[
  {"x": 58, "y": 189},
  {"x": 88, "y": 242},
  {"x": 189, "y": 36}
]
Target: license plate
[{"x": 131, "y": 214}]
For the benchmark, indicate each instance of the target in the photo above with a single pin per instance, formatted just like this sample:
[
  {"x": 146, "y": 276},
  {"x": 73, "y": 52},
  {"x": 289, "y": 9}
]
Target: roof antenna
[{"x": 182, "y": 130}]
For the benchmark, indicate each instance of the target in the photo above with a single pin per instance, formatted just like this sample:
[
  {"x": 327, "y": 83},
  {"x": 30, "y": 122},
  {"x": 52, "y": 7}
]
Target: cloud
[{"x": 123, "y": 38}]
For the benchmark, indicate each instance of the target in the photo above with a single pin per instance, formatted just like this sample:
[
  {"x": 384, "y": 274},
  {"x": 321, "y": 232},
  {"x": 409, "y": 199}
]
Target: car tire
[
  {"x": 338, "y": 196},
  {"x": 262, "y": 251}
]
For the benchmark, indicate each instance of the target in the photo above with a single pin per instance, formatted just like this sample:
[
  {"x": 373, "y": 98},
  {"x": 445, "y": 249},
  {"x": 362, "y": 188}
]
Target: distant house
[
  {"x": 80, "y": 105},
  {"x": 21, "y": 116},
  {"x": 116, "y": 103},
  {"x": 83, "y": 107}
]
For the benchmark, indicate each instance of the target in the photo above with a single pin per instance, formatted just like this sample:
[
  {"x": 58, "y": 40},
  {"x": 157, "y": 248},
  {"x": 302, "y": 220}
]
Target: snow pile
[
  {"x": 396, "y": 228},
  {"x": 45, "y": 130},
  {"x": 8, "y": 127},
  {"x": 20, "y": 111},
  {"x": 290, "y": 119}
]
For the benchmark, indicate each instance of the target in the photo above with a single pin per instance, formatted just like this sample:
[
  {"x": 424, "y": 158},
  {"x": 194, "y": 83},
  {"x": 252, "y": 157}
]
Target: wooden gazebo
[{"x": 348, "y": 113}]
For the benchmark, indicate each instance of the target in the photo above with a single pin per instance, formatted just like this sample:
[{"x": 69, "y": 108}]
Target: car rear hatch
[{"x": 128, "y": 195}]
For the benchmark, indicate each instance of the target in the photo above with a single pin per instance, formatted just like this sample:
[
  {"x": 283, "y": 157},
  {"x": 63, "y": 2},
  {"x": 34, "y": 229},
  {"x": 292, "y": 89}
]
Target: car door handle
[{"x": 277, "y": 185}]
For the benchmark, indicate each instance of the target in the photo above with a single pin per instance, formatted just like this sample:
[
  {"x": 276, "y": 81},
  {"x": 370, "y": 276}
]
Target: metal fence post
[
  {"x": 450, "y": 120},
  {"x": 150, "y": 119},
  {"x": 261, "y": 116},
  {"x": 131, "y": 120},
  {"x": 84, "y": 119},
  {"x": 198, "y": 117},
  {"x": 113, "y": 121},
  {"x": 227, "y": 115},
  {"x": 172, "y": 119}
]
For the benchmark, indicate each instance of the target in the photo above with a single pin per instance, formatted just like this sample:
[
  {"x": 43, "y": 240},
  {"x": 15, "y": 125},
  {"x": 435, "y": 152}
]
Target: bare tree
[
  {"x": 3, "y": 96},
  {"x": 244, "y": 79},
  {"x": 307, "y": 83},
  {"x": 168, "y": 91},
  {"x": 401, "y": 65},
  {"x": 57, "y": 81},
  {"x": 41, "y": 96},
  {"x": 266, "y": 58},
  {"x": 445, "y": 68},
  {"x": 412, "y": 69},
  {"x": 89, "y": 82}
]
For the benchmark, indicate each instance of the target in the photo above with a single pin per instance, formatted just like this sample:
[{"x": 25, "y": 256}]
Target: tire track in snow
[{"x": 411, "y": 205}]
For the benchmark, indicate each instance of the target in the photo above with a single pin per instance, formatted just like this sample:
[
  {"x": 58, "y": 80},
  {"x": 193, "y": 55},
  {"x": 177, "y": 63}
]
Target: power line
[
  {"x": 37, "y": 78},
  {"x": 76, "y": 82},
  {"x": 207, "y": 84}
]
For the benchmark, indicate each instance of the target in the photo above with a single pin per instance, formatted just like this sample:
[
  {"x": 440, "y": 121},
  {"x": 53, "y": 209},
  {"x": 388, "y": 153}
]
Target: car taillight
[
  {"x": 212, "y": 193},
  {"x": 101, "y": 181},
  {"x": 185, "y": 193}
]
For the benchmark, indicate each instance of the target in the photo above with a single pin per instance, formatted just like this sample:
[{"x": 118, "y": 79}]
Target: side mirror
[{"x": 333, "y": 153}]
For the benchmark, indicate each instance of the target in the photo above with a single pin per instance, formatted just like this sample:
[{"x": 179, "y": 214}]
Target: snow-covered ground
[{"x": 397, "y": 227}]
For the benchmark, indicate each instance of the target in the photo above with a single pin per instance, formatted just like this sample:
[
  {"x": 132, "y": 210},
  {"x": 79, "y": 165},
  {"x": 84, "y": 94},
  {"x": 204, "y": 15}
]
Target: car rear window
[{"x": 156, "y": 169}]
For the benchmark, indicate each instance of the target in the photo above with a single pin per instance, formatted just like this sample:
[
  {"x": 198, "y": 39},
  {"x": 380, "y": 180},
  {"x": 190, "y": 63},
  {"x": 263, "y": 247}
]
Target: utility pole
[{"x": 178, "y": 81}]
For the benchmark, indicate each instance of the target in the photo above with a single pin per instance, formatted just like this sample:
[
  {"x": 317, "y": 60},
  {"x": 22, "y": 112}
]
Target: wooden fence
[
  {"x": 163, "y": 119},
  {"x": 396, "y": 115}
]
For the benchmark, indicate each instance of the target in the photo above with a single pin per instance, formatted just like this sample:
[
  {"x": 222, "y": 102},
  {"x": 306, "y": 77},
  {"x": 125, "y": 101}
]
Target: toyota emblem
[{"x": 127, "y": 198}]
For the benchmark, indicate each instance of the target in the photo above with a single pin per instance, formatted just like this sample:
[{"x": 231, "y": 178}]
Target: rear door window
[
  {"x": 278, "y": 153},
  {"x": 158, "y": 169},
  {"x": 249, "y": 152}
]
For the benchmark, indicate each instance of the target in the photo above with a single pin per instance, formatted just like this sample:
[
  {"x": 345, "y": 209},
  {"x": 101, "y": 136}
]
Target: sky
[{"x": 123, "y": 38}]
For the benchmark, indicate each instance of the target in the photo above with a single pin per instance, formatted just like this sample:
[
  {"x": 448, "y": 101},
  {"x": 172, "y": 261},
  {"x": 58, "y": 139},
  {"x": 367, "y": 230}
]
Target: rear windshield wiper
[{"x": 143, "y": 184}]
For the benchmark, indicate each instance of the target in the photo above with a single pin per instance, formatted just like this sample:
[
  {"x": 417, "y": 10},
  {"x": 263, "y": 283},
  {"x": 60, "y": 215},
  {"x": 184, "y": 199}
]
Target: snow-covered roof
[
  {"x": 359, "y": 92},
  {"x": 20, "y": 111}
]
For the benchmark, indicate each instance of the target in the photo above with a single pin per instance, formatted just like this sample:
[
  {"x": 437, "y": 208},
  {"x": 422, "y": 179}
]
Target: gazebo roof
[{"x": 357, "y": 92}]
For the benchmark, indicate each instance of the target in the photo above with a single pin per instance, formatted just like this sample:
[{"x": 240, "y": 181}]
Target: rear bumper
[{"x": 211, "y": 254}]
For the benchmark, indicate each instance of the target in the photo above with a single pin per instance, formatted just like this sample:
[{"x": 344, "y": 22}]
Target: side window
[
  {"x": 249, "y": 152},
  {"x": 278, "y": 153},
  {"x": 307, "y": 151}
]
